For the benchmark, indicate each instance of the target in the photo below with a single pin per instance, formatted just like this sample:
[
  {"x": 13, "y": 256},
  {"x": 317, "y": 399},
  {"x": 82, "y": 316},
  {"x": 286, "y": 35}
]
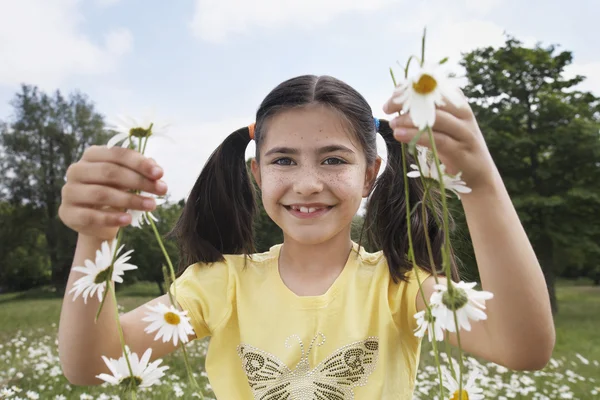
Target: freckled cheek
[{"x": 346, "y": 184}]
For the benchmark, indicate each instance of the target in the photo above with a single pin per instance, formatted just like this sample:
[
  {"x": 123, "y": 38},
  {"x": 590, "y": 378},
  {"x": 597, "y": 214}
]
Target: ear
[
  {"x": 371, "y": 176},
  {"x": 255, "y": 171}
]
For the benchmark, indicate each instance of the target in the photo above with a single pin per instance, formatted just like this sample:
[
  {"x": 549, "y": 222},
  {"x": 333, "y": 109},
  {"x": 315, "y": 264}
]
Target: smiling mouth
[{"x": 308, "y": 210}]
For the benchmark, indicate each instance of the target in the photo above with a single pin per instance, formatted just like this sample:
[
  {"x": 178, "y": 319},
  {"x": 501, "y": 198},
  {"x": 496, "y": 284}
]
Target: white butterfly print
[{"x": 348, "y": 367}]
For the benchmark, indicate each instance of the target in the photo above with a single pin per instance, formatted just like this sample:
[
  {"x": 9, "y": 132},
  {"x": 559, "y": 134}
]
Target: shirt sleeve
[
  {"x": 205, "y": 292},
  {"x": 403, "y": 300}
]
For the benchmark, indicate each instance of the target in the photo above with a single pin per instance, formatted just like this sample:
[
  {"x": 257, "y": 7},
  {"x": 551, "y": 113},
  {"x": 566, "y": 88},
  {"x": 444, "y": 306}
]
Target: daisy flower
[
  {"x": 129, "y": 127},
  {"x": 427, "y": 322},
  {"x": 144, "y": 374},
  {"x": 171, "y": 323},
  {"x": 420, "y": 94},
  {"x": 429, "y": 170},
  {"x": 96, "y": 273},
  {"x": 138, "y": 217},
  {"x": 467, "y": 303},
  {"x": 469, "y": 391}
]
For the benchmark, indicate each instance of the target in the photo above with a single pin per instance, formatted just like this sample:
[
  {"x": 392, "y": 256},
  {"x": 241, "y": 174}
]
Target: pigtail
[
  {"x": 218, "y": 215},
  {"x": 385, "y": 219}
]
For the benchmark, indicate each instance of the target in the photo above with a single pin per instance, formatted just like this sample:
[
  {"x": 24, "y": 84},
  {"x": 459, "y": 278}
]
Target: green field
[{"x": 29, "y": 361}]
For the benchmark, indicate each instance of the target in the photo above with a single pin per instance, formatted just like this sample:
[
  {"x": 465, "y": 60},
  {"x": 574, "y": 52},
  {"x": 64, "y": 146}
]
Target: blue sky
[{"x": 205, "y": 65}]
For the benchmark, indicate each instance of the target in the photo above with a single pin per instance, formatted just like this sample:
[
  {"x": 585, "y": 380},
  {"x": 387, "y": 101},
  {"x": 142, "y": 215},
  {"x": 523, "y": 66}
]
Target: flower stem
[
  {"x": 190, "y": 373},
  {"x": 109, "y": 275},
  {"x": 446, "y": 260},
  {"x": 121, "y": 336},
  {"x": 171, "y": 269},
  {"x": 410, "y": 243},
  {"x": 438, "y": 364}
]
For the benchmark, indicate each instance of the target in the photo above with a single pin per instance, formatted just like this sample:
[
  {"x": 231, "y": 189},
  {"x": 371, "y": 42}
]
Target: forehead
[{"x": 308, "y": 127}]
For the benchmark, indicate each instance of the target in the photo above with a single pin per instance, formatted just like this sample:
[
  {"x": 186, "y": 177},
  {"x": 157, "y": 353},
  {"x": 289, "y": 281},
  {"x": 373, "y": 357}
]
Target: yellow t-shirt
[{"x": 356, "y": 341}]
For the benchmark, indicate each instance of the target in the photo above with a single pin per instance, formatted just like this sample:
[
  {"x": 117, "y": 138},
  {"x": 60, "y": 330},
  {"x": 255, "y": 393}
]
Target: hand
[
  {"x": 458, "y": 140},
  {"x": 96, "y": 195}
]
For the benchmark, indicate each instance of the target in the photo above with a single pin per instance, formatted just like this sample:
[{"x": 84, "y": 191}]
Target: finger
[
  {"x": 444, "y": 122},
  {"x": 115, "y": 175},
  {"x": 97, "y": 195},
  {"x": 393, "y": 105},
  {"x": 457, "y": 105},
  {"x": 125, "y": 157},
  {"x": 79, "y": 218},
  {"x": 443, "y": 142}
]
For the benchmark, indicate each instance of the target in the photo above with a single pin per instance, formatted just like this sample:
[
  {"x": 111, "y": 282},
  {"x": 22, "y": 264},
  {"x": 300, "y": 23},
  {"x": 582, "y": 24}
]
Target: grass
[{"x": 28, "y": 325}]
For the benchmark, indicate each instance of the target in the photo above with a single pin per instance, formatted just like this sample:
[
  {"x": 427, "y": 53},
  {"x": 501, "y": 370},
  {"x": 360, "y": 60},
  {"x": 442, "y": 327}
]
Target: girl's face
[{"x": 310, "y": 162}]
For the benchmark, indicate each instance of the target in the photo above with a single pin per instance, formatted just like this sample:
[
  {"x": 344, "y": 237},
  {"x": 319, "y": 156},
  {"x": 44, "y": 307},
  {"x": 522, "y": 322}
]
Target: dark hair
[{"x": 218, "y": 216}]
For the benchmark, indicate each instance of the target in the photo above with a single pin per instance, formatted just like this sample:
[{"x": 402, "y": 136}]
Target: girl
[{"x": 316, "y": 317}]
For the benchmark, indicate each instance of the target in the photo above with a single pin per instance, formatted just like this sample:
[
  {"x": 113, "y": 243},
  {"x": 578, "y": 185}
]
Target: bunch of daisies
[
  {"x": 166, "y": 321},
  {"x": 452, "y": 305}
]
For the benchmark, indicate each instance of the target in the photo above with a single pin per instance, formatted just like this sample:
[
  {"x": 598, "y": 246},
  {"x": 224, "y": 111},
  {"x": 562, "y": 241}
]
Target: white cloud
[
  {"x": 193, "y": 143},
  {"x": 482, "y": 6},
  {"x": 106, "y": 3},
  {"x": 214, "y": 20},
  {"x": 42, "y": 44},
  {"x": 119, "y": 41}
]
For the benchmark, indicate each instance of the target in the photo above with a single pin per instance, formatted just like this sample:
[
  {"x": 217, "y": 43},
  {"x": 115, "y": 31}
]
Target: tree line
[{"x": 542, "y": 131}]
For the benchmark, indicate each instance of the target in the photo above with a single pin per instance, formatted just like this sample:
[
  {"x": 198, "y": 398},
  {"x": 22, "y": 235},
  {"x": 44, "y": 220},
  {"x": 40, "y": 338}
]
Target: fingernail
[
  {"x": 156, "y": 171},
  {"x": 148, "y": 204},
  {"x": 160, "y": 185},
  {"x": 400, "y": 132},
  {"x": 393, "y": 122},
  {"x": 124, "y": 219}
]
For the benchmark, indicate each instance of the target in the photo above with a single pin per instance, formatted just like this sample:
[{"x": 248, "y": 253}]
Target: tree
[
  {"x": 45, "y": 136},
  {"x": 24, "y": 263},
  {"x": 544, "y": 136}
]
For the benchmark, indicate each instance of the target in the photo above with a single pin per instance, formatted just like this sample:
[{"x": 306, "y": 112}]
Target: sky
[{"x": 204, "y": 66}]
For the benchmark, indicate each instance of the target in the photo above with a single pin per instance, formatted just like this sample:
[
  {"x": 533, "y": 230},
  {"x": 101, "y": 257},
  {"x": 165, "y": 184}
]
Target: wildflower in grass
[
  {"x": 96, "y": 273},
  {"x": 144, "y": 374},
  {"x": 171, "y": 323},
  {"x": 461, "y": 297},
  {"x": 469, "y": 391}
]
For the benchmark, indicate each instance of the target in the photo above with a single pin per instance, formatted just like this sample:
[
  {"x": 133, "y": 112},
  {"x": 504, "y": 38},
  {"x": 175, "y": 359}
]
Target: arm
[
  {"x": 519, "y": 332},
  {"x": 81, "y": 342}
]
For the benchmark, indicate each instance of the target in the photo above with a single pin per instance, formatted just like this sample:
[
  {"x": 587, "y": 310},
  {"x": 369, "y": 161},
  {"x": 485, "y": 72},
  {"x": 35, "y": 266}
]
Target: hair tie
[
  {"x": 251, "y": 130},
  {"x": 376, "y": 124}
]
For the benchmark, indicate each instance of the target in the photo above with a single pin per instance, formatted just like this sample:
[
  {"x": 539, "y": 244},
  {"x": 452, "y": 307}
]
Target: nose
[{"x": 307, "y": 183}]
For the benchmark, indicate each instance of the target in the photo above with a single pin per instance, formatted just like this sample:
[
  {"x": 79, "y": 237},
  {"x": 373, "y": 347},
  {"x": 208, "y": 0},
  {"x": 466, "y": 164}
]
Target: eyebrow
[{"x": 322, "y": 150}]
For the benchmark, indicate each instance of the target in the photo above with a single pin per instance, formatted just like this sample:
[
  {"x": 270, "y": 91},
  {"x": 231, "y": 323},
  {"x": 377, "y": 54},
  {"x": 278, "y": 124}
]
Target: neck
[{"x": 320, "y": 259}]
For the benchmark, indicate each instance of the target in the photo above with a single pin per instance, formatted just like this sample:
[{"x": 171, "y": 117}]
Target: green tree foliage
[
  {"x": 544, "y": 136},
  {"x": 24, "y": 262},
  {"x": 45, "y": 135}
]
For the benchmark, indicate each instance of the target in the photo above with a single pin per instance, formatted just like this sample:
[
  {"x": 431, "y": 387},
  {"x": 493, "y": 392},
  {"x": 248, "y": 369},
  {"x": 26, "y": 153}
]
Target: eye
[
  {"x": 287, "y": 161},
  {"x": 337, "y": 161}
]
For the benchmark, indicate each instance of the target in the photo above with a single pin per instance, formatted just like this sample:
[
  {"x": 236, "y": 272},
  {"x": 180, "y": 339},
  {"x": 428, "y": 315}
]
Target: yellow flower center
[
  {"x": 172, "y": 318},
  {"x": 456, "y": 396},
  {"x": 425, "y": 85}
]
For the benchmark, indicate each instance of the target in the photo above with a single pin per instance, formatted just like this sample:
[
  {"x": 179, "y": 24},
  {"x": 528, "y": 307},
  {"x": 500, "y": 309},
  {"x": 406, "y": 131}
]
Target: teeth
[{"x": 306, "y": 210}]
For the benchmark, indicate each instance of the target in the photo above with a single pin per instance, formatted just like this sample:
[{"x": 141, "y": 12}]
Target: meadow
[{"x": 29, "y": 367}]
